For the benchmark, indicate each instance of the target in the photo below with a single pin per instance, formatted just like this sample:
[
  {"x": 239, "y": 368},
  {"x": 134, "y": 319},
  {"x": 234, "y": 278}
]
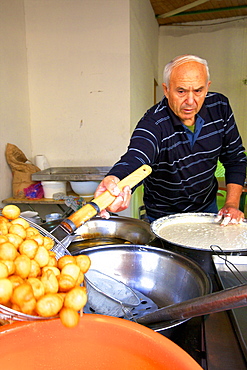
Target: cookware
[
  {"x": 115, "y": 230},
  {"x": 216, "y": 302},
  {"x": 70, "y": 224},
  {"x": 60, "y": 250},
  {"x": 199, "y": 231},
  {"x": 98, "y": 342},
  {"x": 162, "y": 276},
  {"x": 109, "y": 296}
]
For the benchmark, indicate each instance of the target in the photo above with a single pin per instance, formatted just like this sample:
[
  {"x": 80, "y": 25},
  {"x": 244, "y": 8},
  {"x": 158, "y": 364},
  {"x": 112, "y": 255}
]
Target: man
[{"x": 182, "y": 138}]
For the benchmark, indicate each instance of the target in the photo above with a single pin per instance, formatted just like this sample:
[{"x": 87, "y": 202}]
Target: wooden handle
[{"x": 106, "y": 198}]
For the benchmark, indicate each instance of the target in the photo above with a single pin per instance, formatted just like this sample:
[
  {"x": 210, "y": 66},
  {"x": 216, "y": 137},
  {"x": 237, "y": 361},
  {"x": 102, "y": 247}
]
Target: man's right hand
[{"x": 123, "y": 197}]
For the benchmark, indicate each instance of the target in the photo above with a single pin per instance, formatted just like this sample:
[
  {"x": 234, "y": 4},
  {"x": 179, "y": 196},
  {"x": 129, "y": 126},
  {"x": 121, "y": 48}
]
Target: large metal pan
[
  {"x": 163, "y": 276},
  {"x": 115, "y": 230},
  {"x": 200, "y": 231}
]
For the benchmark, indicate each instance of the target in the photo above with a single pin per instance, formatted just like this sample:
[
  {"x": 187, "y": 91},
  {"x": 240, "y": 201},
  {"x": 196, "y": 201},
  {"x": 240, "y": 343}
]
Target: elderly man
[{"x": 181, "y": 138}]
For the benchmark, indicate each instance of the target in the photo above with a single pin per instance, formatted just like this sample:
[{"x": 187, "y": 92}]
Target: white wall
[
  {"x": 144, "y": 33},
  {"x": 225, "y": 48},
  {"x": 85, "y": 70},
  {"x": 14, "y": 98},
  {"x": 78, "y": 63}
]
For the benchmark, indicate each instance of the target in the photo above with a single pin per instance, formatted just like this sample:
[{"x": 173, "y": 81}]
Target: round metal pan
[
  {"x": 163, "y": 276},
  {"x": 201, "y": 231}
]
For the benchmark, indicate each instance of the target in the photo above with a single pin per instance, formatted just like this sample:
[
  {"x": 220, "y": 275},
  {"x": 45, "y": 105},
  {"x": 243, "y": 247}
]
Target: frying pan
[{"x": 215, "y": 302}]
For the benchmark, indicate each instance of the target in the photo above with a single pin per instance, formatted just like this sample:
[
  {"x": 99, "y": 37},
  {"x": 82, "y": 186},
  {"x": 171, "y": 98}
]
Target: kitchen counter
[{"x": 71, "y": 174}]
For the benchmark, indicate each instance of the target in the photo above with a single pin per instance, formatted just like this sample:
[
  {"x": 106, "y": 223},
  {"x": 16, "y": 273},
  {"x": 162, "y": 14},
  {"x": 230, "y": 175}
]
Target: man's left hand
[{"x": 230, "y": 215}]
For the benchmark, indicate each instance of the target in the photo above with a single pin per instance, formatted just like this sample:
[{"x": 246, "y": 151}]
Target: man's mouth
[{"x": 188, "y": 110}]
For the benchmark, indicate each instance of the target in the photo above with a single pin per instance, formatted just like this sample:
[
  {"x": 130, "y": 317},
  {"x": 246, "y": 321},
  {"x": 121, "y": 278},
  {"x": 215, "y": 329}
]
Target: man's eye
[
  {"x": 198, "y": 91},
  {"x": 180, "y": 92}
]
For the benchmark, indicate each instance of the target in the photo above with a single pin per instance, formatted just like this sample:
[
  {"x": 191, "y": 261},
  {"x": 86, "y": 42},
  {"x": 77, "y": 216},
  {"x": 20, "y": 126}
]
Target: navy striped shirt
[{"x": 183, "y": 163}]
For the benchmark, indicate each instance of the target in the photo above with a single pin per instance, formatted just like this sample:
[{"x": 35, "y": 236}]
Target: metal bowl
[
  {"x": 115, "y": 230},
  {"x": 163, "y": 276}
]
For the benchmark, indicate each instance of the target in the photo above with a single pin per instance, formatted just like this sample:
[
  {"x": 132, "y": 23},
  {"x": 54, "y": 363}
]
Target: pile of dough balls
[{"x": 32, "y": 280}]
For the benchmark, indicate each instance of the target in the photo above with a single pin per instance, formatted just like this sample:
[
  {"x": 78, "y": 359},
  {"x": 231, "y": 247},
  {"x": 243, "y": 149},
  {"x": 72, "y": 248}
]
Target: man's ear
[{"x": 165, "y": 89}]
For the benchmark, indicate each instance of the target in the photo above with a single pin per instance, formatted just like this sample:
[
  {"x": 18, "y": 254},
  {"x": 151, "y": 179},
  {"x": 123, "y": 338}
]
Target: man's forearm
[{"x": 233, "y": 194}]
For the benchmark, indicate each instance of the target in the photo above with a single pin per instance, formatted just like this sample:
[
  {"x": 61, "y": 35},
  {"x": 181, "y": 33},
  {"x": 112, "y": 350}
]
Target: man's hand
[
  {"x": 123, "y": 197},
  {"x": 230, "y": 215}
]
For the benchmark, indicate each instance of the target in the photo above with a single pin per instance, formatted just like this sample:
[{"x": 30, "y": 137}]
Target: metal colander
[{"x": 60, "y": 250}]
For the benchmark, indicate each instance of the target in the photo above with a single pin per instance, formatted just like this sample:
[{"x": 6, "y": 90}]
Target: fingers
[
  {"x": 229, "y": 215},
  {"x": 104, "y": 214},
  {"x": 122, "y": 199},
  {"x": 108, "y": 183}
]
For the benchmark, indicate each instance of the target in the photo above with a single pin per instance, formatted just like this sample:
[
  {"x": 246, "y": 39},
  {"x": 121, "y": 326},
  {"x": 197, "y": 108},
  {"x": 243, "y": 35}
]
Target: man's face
[{"x": 187, "y": 90}]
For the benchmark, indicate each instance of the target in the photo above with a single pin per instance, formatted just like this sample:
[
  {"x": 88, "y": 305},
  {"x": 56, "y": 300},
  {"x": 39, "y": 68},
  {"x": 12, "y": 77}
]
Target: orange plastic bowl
[{"x": 98, "y": 342}]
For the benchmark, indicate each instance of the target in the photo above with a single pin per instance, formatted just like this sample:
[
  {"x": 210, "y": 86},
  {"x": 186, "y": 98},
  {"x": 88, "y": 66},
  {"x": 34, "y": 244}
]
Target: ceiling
[{"x": 169, "y": 12}]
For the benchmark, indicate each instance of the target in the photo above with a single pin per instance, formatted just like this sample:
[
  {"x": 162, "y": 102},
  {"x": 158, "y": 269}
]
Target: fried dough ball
[
  {"x": 32, "y": 280},
  {"x": 29, "y": 247},
  {"x": 38, "y": 238},
  {"x": 42, "y": 256},
  {"x": 84, "y": 262},
  {"x": 52, "y": 268},
  {"x": 16, "y": 280},
  {"x": 20, "y": 221},
  {"x": 48, "y": 243},
  {"x": 80, "y": 279},
  {"x": 3, "y": 239},
  {"x": 76, "y": 298},
  {"x": 31, "y": 231},
  {"x": 6, "y": 290},
  {"x": 24, "y": 298},
  {"x": 72, "y": 270},
  {"x": 10, "y": 266},
  {"x": 3, "y": 228},
  {"x": 52, "y": 261},
  {"x": 65, "y": 282},
  {"x": 37, "y": 286},
  {"x": 35, "y": 269},
  {"x": 49, "y": 305},
  {"x": 65, "y": 260},
  {"x": 49, "y": 281},
  {"x": 7, "y": 251},
  {"x": 15, "y": 239},
  {"x": 69, "y": 317},
  {"x": 22, "y": 266},
  {"x": 11, "y": 212},
  {"x": 2, "y": 218},
  {"x": 19, "y": 230},
  {"x": 4, "y": 272}
]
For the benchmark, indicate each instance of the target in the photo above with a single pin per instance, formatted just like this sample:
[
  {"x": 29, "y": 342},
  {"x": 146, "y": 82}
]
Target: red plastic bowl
[{"x": 98, "y": 342}]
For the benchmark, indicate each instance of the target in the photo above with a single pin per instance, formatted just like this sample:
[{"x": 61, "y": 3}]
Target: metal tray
[
  {"x": 200, "y": 231},
  {"x": 71, "y": 174}
]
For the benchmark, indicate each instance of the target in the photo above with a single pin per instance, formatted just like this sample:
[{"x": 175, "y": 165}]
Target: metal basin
[{"x": 163, "y": 276}]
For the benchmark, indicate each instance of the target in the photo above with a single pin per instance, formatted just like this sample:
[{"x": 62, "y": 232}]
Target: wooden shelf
[{"x": 32, "y": 201}]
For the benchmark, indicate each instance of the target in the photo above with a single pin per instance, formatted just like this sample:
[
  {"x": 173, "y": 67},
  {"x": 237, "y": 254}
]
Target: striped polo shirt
[{"x": 183, "y": 162}]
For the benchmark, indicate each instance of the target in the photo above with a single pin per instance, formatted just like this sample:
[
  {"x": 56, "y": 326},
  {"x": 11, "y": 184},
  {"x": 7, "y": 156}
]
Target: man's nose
[{"x": 190, "y": 98}]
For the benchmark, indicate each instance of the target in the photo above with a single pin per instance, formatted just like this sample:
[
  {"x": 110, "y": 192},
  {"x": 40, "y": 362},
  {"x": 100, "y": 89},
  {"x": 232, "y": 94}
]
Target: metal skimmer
[{"x": 108, "y": 296}]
